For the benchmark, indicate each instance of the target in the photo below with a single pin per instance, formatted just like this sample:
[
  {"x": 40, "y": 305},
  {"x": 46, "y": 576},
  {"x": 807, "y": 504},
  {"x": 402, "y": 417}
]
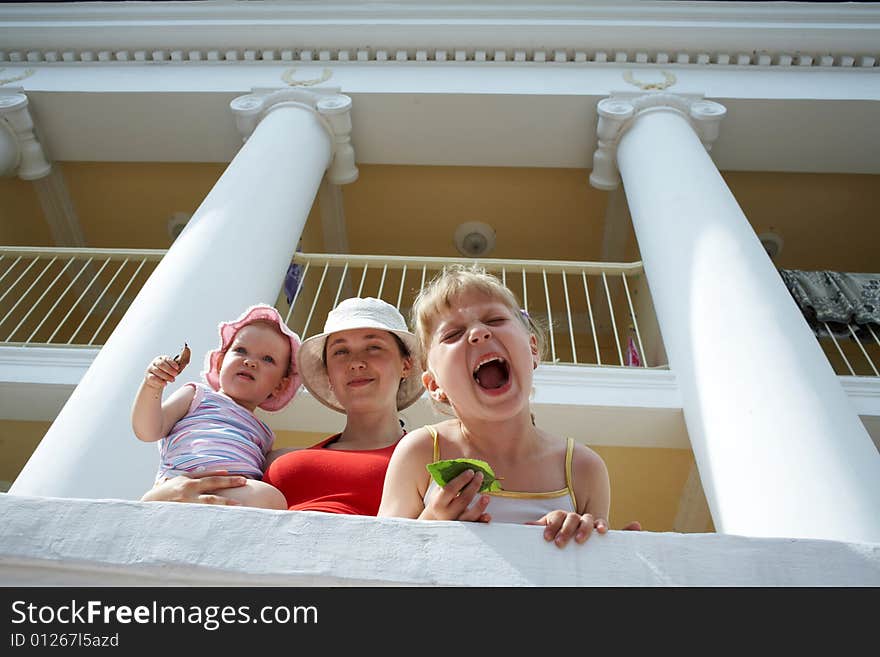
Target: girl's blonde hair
[{"x": 447, "y": 286}]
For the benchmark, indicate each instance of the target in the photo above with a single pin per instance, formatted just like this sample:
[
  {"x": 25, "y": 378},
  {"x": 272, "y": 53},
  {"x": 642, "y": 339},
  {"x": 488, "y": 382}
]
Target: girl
[
  {"x": 213, "y": 427},
  {"x": 363, "y": 365},
  {"x": 480, "y": 351}
]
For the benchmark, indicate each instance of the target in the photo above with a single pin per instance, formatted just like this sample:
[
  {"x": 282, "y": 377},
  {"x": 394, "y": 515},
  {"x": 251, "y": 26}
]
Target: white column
[
  {"x": 233, "y": 253},
  {"x": 780, "y": 450}
]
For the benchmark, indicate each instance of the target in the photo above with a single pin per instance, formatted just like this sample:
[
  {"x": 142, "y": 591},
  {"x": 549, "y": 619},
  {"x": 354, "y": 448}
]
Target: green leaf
[{"x": 445, "y": 471}]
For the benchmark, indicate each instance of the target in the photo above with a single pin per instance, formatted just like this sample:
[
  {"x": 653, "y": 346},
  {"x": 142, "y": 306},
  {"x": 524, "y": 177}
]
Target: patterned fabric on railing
[{"x": 834, "y": 300}]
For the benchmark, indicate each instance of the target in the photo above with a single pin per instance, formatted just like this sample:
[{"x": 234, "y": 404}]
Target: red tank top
[{"x": 331, "y": 480}]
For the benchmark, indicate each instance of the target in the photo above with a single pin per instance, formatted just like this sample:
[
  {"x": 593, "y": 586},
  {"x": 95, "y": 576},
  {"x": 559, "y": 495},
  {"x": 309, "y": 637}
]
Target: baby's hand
[
  {"x": 453, "y": 501},
  {"x": 161, "y": 371},
  {"x": 562, "y": 525}
]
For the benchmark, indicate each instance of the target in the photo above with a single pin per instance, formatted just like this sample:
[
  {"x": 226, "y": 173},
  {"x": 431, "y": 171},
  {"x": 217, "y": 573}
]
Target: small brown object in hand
[{"x": 182, "y": 359}]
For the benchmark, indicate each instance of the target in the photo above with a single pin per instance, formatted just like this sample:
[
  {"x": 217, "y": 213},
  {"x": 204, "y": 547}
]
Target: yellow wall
[
  {"x": 21, "y": 218},
  {"x": 646, "y": 484},
  {"x": 828, "y": 221},
  {"x": 18, "y": 440}
]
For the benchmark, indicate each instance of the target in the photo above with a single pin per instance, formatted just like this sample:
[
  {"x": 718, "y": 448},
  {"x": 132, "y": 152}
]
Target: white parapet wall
[{"x": 69, "y": 542}]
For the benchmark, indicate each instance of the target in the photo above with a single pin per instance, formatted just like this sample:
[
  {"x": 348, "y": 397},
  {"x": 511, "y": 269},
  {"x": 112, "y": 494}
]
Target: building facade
[{"x": 662, "y": 146}]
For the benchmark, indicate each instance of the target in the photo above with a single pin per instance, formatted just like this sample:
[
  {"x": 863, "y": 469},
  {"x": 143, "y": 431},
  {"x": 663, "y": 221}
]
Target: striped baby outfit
[{"x": 215, "y": 434}]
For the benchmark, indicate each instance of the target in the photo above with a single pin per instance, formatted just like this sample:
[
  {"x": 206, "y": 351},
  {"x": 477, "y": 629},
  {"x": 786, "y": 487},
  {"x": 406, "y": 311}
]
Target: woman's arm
[{"x": 197, "y": 488}]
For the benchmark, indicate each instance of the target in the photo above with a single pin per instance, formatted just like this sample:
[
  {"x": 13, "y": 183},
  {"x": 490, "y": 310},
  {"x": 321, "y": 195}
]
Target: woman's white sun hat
[{"x": 357, "y": 313}]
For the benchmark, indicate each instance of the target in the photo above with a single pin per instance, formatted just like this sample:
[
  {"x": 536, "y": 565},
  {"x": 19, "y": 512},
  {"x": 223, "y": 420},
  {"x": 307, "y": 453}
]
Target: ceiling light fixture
[
  {"x": 474, "y": 238},
  {"x": 772, "y": 243}
]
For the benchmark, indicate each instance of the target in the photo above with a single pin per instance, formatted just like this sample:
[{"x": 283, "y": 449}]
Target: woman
[{"x": 363, "y": 364}]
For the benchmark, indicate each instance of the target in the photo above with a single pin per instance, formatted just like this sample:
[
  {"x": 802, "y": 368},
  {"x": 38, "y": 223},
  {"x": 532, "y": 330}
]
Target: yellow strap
[
  {"x": 569, "y": 450},
  {"x": 433, "y": 431}
]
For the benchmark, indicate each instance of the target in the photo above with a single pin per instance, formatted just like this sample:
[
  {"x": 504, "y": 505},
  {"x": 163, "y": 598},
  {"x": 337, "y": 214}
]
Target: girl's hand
[
  {"x": 161, "y": 371},
  {"x": 562, "y": 525},
  {"x": 453, "y": 501},
  {"x": 195, "y": 488}
]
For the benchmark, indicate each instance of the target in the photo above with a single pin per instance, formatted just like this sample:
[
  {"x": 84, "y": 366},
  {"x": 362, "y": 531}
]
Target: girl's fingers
[
  {"x": 570, "y": 525},
  {"x": 475, "y": 512}
]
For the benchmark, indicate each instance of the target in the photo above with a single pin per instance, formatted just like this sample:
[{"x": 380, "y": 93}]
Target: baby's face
[{"x": 255, "y": 365}]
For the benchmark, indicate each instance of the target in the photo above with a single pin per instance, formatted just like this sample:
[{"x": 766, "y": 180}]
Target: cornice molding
[
  {"x": 699, "y": 33},
  {"x": 426, "y": 55}
]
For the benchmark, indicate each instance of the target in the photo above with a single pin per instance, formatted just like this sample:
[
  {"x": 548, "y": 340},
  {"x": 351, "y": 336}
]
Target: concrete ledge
[{"x": 54, "y": 542}]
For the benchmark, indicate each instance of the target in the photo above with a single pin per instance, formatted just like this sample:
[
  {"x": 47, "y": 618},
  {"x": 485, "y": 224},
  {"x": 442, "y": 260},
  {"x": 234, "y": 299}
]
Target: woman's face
[{"x": 365, "y": 367}]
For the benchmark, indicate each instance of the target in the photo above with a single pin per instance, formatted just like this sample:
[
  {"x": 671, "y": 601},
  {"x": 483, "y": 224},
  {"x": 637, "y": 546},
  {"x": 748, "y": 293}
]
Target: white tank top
[{"x": 517, "y": 506}]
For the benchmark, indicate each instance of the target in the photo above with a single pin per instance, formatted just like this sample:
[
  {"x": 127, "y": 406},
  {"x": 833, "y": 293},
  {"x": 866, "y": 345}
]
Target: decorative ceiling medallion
[
  {"x": 287, "y": 76},
  {"x": 668, "y": 81},
  {"x": 27, "y": 73}
]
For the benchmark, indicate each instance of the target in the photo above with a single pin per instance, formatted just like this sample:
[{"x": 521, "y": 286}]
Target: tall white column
[
  {"x": 780, "y": 450},
  {"x": 233, "y": 253}
]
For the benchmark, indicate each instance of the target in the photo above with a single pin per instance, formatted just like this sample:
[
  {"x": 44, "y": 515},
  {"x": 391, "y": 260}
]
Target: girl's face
[
  {"x": 481, "y": 358},
  {"x": 365, "y": 367},
  {"x": 254, "y": 366}
]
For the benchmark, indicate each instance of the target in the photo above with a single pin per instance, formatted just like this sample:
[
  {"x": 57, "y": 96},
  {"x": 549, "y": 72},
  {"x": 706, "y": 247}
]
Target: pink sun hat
[{"x": 227, "y": 330}]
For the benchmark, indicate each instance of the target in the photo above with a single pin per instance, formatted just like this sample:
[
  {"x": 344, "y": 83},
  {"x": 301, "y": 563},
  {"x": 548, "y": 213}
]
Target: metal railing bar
[
  {"x": 873, "y": 335},
  {"x": 363, "y": 277},
  {"x": 864, "y": 353},
  {"x": 549, "y": 318},
  {"x": 81, "y": 297},
  {"x": 26, "y": 292},
  {"x": 632, "y": 313},
  {"x": 118, "y": 299},
  {"x": 574, "y": 356},
  {"x": 10, "y": 268},
  {"x": 302, "y": 281},
  {"x": 400, "y": 291},
  {"x": 60, "y": 297},
  {"x": 98, "y": 300},
  {"x": 613, "y": 322},
  {"x": 592, "y": 326},
  {"x": 27, "y": 269},
  {"x": 382, "y": 281},
  {"x": 839, "y": 350},
  {"x": 305, "y": 331},
  {"x": 341, "y": 285},
  {"x": 41, "y": 297}
]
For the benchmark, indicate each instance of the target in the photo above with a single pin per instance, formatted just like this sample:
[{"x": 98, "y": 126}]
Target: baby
[{"x": 212, "y": 427}]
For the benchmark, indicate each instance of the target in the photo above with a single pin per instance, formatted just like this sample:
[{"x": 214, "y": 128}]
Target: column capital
[
  {"x": 618, "y": 112},
  {"x": 330, "y": 107},
  {"x": 20, "y": 151}
]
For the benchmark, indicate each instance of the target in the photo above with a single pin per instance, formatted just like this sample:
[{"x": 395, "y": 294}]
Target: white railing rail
[{"x": 587, "y": 308}]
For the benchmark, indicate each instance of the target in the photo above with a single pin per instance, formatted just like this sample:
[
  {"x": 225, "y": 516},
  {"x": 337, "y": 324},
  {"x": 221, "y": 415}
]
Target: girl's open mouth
[{"x": 492, "y": 372}]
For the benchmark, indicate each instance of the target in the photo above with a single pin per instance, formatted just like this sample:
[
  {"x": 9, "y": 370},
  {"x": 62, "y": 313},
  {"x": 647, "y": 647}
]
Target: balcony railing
[
  {"x": 590, "y": 310},
  {"x": 598, "y": 314},
  {"x": 595, "y": 313}
]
